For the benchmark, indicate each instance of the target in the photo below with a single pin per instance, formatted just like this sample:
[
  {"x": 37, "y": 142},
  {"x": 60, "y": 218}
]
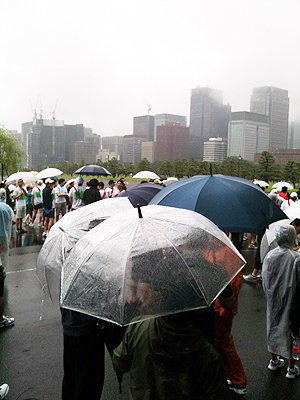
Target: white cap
[{"x": 49, "y": 180}]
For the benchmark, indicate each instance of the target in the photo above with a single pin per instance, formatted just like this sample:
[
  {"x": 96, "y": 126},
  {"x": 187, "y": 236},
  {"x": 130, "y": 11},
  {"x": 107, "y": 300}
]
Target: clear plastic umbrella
[
  {"x": 65, "y": 234},
  {"x": 261, "y": 183},
  {"x": 48, "y": 173},
  {"x": 146, "y": 175},
  {"x": 164, "y": 261},
  {"x": 280, "y": 185},
  {"x": 26, "y": 176}
]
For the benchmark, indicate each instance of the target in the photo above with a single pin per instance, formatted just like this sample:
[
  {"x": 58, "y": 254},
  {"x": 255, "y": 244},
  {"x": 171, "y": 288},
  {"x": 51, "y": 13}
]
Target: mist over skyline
[{"x": 105, "y": 61}]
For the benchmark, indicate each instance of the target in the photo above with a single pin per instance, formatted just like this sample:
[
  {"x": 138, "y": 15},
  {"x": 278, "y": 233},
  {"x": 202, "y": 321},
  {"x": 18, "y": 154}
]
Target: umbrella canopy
[
  {"x": 146, "y": 175},
  {"x": 280, "y": 185},
  {"x": 34, "y": 172},
  {"x": 92, "y": 170},
  {"x": 233, "y": 204},
  {"x": 170, "y": 180},
  {"x": 26, "y": 176},
  {"x": 65, "y": 234},
  {"x": 261, "y": 183},
  {"x": 48, "y": 173},
  {"x": 141, "y": 194},
  {"x": 268, "y": 241},
  {"x": 164, "y": 261}
]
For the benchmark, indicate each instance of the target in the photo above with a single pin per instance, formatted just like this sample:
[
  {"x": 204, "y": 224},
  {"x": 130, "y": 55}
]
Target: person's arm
[
  {"x": 121, "y": 357},
  {"x": 295, "y": 313},
  {"x": 227, "y": 298}
]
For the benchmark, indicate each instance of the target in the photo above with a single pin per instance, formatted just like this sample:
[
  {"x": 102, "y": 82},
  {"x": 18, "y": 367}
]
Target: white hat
[{"x": 49, "y": 180}]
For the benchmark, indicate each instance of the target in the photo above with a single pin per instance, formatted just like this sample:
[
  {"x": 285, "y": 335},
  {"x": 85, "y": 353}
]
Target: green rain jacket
[{"x": 167, "y": 363}]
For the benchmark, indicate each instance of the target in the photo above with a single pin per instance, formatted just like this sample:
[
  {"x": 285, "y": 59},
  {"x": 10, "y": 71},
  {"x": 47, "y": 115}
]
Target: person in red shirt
[{"x": 284, "y": 193}]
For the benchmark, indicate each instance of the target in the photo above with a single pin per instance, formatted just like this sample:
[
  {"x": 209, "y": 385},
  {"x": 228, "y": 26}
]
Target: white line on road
[{"x": 21, "y": 270}]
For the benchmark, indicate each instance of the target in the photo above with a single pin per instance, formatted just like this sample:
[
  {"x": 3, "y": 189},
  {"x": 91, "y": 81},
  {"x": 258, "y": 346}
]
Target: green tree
[
  {"x": 144, "y": 165},
  {"x": 266, "y": 168},
  {"x": 11, "y": 154},
  {"x": 292, "y": 172}
]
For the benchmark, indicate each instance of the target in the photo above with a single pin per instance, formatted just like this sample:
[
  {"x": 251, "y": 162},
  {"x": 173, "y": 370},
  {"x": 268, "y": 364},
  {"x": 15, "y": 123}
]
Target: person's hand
[{"x": 295, "y": 335}]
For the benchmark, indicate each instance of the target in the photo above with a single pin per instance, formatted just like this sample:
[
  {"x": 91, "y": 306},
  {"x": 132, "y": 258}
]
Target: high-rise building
[
  {"x": 132, "y": 149},
  {"x": 209, "y": 118},
  {"x": 163, "y": 119},
  {"x": 143, "y": 127},
  {"x": 294, "y": 135},
  {"x": 274, "y": 103},
  {"x": 215, "y": 150},
  {"x": 172, "y": 142},
  {"x": 248, "y": 134},
  {"x": 114, "y": 144},
  {"x": 48, "y": 141}
]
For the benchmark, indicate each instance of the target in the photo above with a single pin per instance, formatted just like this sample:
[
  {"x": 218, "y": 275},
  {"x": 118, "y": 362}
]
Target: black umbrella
[
  {"x": 142, "y": 193},
  {"x": 93, "y": 170}
]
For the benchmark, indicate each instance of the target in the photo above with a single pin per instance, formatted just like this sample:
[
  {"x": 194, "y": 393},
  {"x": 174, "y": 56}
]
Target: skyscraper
[
  {"x": 143, "y": 127},
  {"x": 248, "y": 134},
  {"x": 163, "y": 119},
  {"x": 274, "y": 103},
  {"x": 209, "y": 118}
]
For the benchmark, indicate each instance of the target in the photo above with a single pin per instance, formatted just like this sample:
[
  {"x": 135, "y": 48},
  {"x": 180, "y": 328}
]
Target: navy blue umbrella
[
  {"x": 233, "y": 204},
  {"x": 142, "y": 193},
  {"x": 92, "y": 170}
]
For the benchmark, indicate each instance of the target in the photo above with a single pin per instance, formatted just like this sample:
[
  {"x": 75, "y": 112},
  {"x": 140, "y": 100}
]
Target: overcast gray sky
[{"x": 104, "y": 60}]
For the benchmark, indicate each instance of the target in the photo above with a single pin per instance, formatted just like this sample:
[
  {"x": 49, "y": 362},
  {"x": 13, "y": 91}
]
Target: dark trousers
[{"x": 83, "y": 366}]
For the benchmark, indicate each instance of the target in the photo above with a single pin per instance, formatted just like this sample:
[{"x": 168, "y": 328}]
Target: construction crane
[
  {"x": 54, "y": 111},
  {"x": 41, "y": 111},
  {"x": 33, "y": 110},
  {"x": 149, "y": 106}
]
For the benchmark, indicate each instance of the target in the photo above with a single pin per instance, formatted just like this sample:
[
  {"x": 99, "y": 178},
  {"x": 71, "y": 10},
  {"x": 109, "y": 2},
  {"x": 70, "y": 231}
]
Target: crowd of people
[
  {"x": 52, "y": 198},
  {"x": 163, "y": 355}
]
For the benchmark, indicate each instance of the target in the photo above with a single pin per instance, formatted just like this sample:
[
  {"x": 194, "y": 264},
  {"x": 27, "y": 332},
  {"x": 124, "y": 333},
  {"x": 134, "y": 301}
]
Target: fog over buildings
[{"x": 108, "y": 62}]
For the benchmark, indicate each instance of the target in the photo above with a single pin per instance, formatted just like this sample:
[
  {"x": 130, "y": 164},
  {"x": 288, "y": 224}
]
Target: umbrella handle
[{"x": 139, "y": 210}]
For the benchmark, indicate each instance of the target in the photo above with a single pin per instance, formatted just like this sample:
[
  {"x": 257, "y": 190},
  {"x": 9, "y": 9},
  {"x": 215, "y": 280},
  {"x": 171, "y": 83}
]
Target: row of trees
[
  {"x": 266, "y": 169},
  {"x": 12, "y": 156}
]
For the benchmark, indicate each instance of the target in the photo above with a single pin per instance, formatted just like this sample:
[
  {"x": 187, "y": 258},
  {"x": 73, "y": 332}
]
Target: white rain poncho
[
  {"x": 6, "y": 216},
  {"x": 279, "y": 285}
]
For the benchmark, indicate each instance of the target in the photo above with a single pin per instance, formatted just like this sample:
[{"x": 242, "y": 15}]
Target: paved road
[{"x": 31, "y": 351}]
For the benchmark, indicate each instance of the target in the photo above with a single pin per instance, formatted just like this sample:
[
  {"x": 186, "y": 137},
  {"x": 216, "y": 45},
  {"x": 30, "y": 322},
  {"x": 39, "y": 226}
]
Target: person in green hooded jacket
[{"x": 168, "y": 358}]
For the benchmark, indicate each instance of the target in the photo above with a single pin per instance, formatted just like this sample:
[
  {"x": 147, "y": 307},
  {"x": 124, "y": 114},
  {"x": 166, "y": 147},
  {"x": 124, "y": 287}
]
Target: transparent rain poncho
[
  {"x": 6, "y": 217},
  {"x": 170, "y": 260},
  {"x": 65, "y": 234},
  {"x": 279, "y": 285}
]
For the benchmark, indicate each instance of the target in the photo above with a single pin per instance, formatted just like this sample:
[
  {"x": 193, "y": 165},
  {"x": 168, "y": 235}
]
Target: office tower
[
  {"x": 274, "y": 103},
  {"x": 248, "y": 134},
  {"x": 114, "y": 144},
  {"x": 209, "y": 118},
  {"x": 215, "y": 150},
  {"x": 143, "y": 127},
  {"x": 48, "y": 141},
  {"x": 132, "y": 149},
  {"x": 163, "y": 119},
  {"x": 172, "y": 142}
]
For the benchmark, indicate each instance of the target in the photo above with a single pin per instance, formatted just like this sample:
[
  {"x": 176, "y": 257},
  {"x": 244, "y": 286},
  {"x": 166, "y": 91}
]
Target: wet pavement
[{"x": 31, "y": 351}]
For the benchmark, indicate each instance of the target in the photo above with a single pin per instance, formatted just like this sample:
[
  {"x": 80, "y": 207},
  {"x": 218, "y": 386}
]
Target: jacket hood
[{"x": 285, "y": 236}]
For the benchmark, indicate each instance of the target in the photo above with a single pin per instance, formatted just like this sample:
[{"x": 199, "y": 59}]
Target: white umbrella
[
  {"x": 280, "y": 185},
  {"x": 48, "y": 173},
  {"x": 268, "y": 241},
  {"x": 146, "y": 175},
  {"x": 65, "y": 234},
  {"x": 26, "y": 176},
  {"x": 170, "y": 180},
  {"x": 260, "y": 183},
  {"x": 148, "y": 262}
]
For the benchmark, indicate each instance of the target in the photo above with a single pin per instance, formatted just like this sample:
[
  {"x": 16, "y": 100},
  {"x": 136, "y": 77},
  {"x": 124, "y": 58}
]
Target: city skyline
[{"x": 106, "y": 62}]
